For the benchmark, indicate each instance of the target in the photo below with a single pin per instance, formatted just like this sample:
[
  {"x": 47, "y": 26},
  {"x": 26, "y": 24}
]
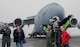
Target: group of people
[
  {"x": 57, "y": 36},
  {"x": 18, "y": 35}
]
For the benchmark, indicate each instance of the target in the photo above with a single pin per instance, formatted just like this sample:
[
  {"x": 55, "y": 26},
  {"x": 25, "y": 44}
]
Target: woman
[
  {"x": 65, "y": 37},
  {"x": 18, "y": 36}
]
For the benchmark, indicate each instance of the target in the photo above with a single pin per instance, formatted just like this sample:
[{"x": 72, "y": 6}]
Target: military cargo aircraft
[{"x": 50, "y": 11}]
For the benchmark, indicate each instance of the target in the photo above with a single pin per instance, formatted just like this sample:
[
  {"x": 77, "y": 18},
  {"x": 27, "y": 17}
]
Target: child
[{"x": 65, "y": 37}]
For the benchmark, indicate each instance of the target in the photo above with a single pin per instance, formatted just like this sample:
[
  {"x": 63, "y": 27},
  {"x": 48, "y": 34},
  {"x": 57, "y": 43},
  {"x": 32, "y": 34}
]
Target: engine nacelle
[
  {"x": 78, "y": 25},
  {"x": 55, "y": 18},
  {"x": 2, "y": 25},
  {"x": 19, "y": 22},
  {"x": 73, "y": 22}
]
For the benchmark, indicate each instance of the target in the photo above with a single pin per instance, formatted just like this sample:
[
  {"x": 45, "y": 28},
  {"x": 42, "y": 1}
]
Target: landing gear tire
[{"x": 33, "y": 36}]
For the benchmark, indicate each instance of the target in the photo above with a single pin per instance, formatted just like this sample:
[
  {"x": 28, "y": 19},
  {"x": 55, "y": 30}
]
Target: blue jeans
[
  {"x": 19, "y": 43},
  {"x": 67, "y": 45},
  {"x": 58, "y": 44}
]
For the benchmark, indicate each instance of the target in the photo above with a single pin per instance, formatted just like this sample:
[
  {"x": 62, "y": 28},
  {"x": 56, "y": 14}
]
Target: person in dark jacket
[
  {"x": 18, "y": 36},
  {"x": 56, "y": 28},
  {"x": 65, "y": 37},
  {"x": 6, "y": 39}
]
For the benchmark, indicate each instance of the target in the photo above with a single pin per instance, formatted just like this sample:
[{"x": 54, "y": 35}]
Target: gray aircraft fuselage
[{"x": 45, "y": 14}]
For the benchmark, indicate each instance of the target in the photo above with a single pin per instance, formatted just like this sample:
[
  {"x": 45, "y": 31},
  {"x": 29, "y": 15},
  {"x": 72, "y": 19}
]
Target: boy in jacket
[
  {"x": 18, "y": 36},
  {"x": 65, "y": 37}
]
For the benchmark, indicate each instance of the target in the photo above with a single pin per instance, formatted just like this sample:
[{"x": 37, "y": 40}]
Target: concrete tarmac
[{"x": 41, "y": 42}]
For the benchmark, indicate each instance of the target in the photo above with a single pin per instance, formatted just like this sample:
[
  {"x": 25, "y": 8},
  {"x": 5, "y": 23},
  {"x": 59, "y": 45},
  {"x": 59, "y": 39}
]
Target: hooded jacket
[
  {"x": 65, "y": 37},
  {"x": 16, "y": 35}
]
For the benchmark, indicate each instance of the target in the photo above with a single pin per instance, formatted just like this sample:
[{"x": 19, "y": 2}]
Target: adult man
[
  {"x": 50, "y": 36},
  {"x": 57, "y": 34},
  {"x": 6, "y": 39}
]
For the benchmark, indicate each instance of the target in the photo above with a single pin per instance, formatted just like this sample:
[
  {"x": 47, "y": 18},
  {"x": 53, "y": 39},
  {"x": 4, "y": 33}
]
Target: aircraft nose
[{"x": 78, "y": 25}]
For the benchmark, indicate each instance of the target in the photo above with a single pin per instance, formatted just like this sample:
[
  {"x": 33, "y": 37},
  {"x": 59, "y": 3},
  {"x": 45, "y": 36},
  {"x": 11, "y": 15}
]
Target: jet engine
[
  {"x": 19, "y": 22},
  {"x": 73, "y": 22},
  {"x": 55, "y": 18},
  {"x": 2, "y": 25},
  {"x": 78, "y": 25}
]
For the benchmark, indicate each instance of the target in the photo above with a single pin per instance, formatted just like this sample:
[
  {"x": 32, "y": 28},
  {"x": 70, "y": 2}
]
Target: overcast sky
[{"x": 12, "y": 9}]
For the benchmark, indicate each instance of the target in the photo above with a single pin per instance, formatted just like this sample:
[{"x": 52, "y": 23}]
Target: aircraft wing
[
  {"x": 26, "y": 22},
  {"x": 69, "y": 22},
  {"x": 29, "y": 20},
  {"x": 11, "y": 24}
]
